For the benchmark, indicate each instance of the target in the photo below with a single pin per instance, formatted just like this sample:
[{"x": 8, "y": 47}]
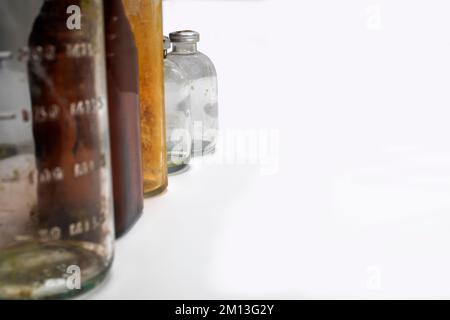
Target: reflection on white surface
[{"x": 360, "y": 205}]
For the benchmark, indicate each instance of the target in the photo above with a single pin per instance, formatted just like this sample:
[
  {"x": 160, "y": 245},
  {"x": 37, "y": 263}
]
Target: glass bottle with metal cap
[
  {"x": 203, "y": 86},
  {"x": 178, "y": 114}
]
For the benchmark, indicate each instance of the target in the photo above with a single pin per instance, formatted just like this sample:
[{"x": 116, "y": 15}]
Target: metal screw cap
[{"x": 187, "y": 36}]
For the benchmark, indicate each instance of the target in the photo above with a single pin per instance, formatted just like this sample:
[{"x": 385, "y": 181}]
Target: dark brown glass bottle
[{"x": 124, "y": 116}]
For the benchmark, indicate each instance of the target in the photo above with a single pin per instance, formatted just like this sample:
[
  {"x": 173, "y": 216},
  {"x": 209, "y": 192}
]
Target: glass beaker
[{"x": 56, "y": 212}]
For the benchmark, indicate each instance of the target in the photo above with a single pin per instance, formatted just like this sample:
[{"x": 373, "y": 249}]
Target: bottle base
[
  {"x": 182, "y": 168},
  {"x": 51, "y": 270},
  {"x": 152, "y": 189},
  {"x": 120, "y": 232}
]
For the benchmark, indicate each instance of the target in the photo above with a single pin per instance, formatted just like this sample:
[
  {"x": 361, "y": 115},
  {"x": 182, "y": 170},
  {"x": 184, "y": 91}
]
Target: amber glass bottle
[
  {"x": 124, "y": 117},
  {"x": 145, "y": 17}
]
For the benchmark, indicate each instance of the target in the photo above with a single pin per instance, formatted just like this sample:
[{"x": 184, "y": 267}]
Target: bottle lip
[{"x": 185, "y": 36}]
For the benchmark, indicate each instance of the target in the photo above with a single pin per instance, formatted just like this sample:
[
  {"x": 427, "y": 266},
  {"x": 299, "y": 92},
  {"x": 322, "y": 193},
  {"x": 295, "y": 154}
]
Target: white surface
[{"x": 359, "y": 207}]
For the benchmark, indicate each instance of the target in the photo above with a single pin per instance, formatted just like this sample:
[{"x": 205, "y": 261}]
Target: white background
[{"x": 359, "y": 93}]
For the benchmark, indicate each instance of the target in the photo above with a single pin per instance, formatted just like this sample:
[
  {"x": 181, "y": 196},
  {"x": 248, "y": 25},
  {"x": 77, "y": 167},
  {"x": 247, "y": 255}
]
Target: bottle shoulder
[
  {"x": 196, "y": 65},
  {"x": 173, "y": 70},
  {"x": 207, "y": 61}
]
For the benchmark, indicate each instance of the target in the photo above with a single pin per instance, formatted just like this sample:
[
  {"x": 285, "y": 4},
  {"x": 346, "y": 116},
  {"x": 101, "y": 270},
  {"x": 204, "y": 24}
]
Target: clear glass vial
[
  {"x": 202, "y": 77},
  {"x": 56, "y": 211},
  {"x": 178, "y": 115}
]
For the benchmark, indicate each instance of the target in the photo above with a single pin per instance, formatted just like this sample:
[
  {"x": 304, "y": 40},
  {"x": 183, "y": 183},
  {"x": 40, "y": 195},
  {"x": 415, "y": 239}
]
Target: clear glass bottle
[
  {"x": 145, "y": 17},
  {"x": 178, "y": 115},
  {"x": 203, "y": 83},
  {"x": 56, "y": 211},
  {"x": 124, "y": 117}
]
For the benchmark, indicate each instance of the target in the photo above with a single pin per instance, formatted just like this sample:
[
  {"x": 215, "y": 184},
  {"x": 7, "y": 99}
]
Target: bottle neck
[{"x": 184, "y": 48}]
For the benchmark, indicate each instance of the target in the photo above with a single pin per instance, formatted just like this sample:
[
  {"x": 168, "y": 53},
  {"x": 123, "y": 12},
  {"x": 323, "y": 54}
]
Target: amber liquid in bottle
[
  {"x": 145, "y": 17},
  {"x": 66, "y": 107},
  {"x": 124, "y": 117}
]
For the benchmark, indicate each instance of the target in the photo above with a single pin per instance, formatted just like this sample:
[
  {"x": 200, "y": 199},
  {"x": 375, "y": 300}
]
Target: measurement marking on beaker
[
  {"x": 23, "y": 238},
  {"x": 7, "y": 116},
  {"x": 4, "y": 55}
]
